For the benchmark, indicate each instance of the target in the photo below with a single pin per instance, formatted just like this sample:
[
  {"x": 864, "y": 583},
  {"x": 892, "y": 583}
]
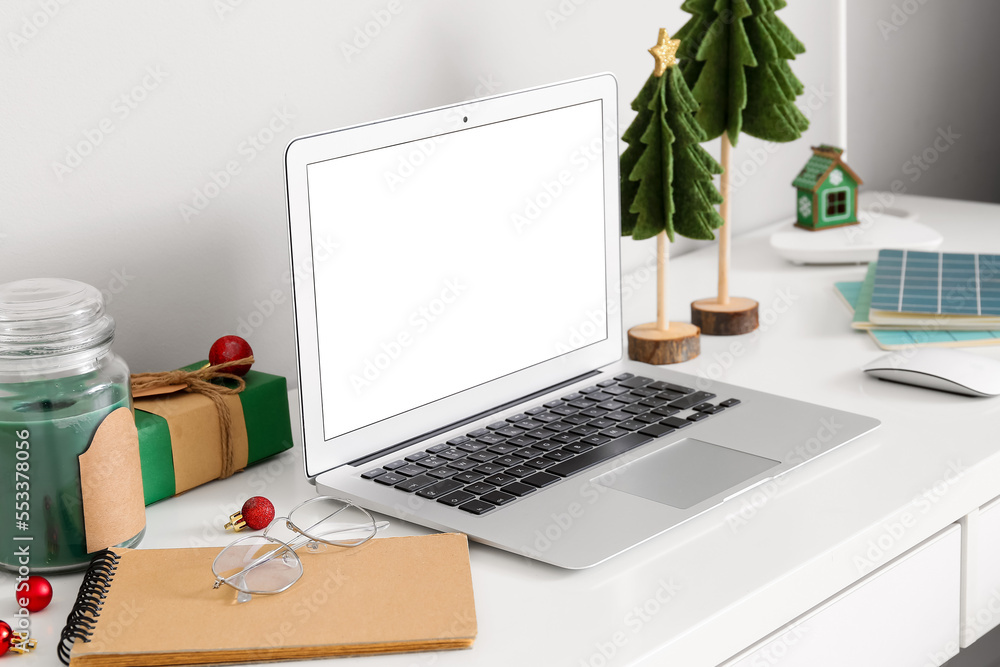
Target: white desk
[{"x": 713, "y": 587}]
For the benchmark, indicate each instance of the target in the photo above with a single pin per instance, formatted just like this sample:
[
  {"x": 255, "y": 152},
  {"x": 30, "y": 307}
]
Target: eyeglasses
[{"x": 265, "y": 565}]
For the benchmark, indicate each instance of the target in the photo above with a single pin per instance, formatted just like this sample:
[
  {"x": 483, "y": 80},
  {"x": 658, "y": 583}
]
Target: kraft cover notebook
[{"x": 391, "y": 595}]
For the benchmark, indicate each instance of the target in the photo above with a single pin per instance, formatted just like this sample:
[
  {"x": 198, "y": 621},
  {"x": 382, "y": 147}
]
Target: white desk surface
[{"x": 715, "y": 585}]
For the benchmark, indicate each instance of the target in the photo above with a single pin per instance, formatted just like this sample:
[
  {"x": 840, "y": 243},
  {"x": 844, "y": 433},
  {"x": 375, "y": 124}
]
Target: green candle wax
[{"x": 44, "y": 426}]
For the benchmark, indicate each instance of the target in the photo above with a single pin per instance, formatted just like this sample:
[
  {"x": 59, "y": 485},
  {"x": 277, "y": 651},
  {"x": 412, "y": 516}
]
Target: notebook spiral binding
[{"x": 89, "y": 602}]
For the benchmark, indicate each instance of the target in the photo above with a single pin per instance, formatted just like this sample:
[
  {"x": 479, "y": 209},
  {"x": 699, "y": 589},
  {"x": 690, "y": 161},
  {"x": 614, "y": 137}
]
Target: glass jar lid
[{"x": 51, "y": 316}]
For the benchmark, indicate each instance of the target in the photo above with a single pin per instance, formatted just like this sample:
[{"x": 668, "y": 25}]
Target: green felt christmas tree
[
  {"x": 735, "y": 57},
  {"x": 666, "y": 189}
]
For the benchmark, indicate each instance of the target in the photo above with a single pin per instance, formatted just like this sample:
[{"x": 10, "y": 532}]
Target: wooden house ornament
[{"x": 826, "y": 191}]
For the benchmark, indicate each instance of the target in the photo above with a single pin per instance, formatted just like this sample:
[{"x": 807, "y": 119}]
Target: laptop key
[
  {"x": 528, "y": 452},
  {"x": 628, "y": 398},
  {"x": 680, "y": 389},
  {"x": 553, "y": 404},
  {"x": 541, "y": 479},
  {"x": 437, "y": 448},
  {"x": 618, "y": 416},
  {"x": 566, "y": 438},
  {"x": 598, "y": 455},
  {"x": 585, "y": 430},
  {"x": 435, "y": 491},
  {"x": 456, "y": 498},
  {"x": 473, "y": 446},
  {"x": 539, "y": 434},
  {"x": 698, "y": 416},
  {"x": 603, "y": 422},
  {"x": 479, "y": 488},
  {"x": 477, "y": 507},
  {"x": 648, "y": 418},
  {"x": 586, "y": 391},
  {"x": 594, "y": 412},
  {"x": 534, "y": 411},
  {"x": 482, "y": 457},
  {"x": 454, "y": 442},
  {"x": 730, "y": 402},
  {"x": 631, "y": 425},
  {"x": 468, "y": 477},
  {"x": 521, "y": 441},
  {"x": 462, "y": 464},
  {"x": 614, "y": 432},
  {"x": 491, "y": 439},
  {"x": 415, "y": 483},
  {"x": 432, "y": 462},
  {"x": 558, "y": 427},
  {"x": 375, "y": 472},
  {"x": 616, "y": 391},
  {"x": 595, "y": 440},
  {"x": 478, "y": 433},
  {"x": 450, "y": 454},
  {"x": 509, "y": 461},
  {"x": 509, "y": 432},
  {"x": 566, "y": 409},
  {"x": 519, "y": 471},
  {"x": 580, "y": 447},
  {"x": 656, "y": 430},
  {"x": 410, "y": 470},
  {"x": 666, "y": 411},
  {"x": 503, "y": 448},
  {"x": 395, "y": 464},
  {"x": 643, "y": 393},
  {"x": 611, "y": 405},
  {"x": 520, "y": 416},
  {"x": 488, "y": 468},
  {"x": 545, "y": 418},
  {"x": 636, "y": 409},
  {"x": 572, "y": 397},
  {"x": 691, "y": 400},
  {"x": 390, "y": 479},
  {"x": 577, "y": 419},
  {"x": 600, "y": 396},
  {"x": 495, "y": 426},
  {"x": 580, "y": 404},
  {"x": 539, "y": 463},
  {"x": 636, "y": 382},
  {"x": 518, "y": 489},
  {"x": 498, "y": 498},
  {"x": 701, "y": 407},
  {"x": 416, "y": 456},
  {"x": 557, "y": 455},
  {"x": 500, "y": 479},
  {"x": 714, "y": 410},
  {"x": 624, "y": 376},
  {"x": 546, "y": 445},
  {"x": 442, "y": 472},
  {"x": 606, "y": 383},
  {"x": 675, "y": 422}
]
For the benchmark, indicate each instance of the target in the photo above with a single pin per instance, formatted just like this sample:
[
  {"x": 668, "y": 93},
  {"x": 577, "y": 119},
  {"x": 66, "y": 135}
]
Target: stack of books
[{"x": 927, "y": 299}]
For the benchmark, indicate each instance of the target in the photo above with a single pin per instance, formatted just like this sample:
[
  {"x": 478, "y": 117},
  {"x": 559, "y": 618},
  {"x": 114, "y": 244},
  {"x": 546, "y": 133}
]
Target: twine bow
[{"x": 200, "y": 382}]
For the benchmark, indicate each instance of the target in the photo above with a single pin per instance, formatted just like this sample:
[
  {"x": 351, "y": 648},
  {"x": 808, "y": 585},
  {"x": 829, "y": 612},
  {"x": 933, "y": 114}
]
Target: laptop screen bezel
[{"x": 321, "y": 454}]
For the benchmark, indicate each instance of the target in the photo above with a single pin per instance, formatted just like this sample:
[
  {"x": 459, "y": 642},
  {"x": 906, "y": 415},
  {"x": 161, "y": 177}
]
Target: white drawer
[
  {"x": 904, "y": 614},
  {"x": 982, "y": 598}
]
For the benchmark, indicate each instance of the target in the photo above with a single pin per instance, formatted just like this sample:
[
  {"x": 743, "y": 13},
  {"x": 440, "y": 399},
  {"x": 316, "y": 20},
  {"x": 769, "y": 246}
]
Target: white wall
[
  {"x": 166, "y": 93},
  {"x": 924, "y": 95}
]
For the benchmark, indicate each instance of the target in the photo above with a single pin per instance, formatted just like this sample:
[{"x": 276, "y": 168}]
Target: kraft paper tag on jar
[{"x": 111, "y": 483}]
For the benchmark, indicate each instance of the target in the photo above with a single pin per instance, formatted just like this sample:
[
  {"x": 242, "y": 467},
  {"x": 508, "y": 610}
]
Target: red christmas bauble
[
  {"x": 37, "y": 595},
  {"x": 258, "y": 512},
  {"x": 230, "y": 348},
  {"x": 6, "y": 637}
]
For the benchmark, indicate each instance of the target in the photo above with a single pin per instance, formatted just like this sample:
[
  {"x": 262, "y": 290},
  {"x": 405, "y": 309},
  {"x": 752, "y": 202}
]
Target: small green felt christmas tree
[
  {"x": 666, "y": 188},
  {"x": 735, "y": 59}
]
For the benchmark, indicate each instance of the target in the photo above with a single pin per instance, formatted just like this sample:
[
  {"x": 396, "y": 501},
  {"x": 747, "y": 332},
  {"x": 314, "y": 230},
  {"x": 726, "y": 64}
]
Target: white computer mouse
[{"x": 940, "y": 368}]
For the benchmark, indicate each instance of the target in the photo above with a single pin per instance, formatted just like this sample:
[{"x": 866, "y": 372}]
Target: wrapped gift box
[{"x": 180, "y": 438}]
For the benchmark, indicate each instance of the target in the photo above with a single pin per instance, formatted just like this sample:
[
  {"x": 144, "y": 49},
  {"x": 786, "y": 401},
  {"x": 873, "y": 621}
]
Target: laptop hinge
[{"x": 468, "y": 420}]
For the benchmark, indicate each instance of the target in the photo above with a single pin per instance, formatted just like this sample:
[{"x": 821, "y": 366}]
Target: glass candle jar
[{"x": 59, "y": 379}]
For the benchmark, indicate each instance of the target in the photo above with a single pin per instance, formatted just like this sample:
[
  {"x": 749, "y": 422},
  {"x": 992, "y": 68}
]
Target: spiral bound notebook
[{"x": 158, "y": 607}]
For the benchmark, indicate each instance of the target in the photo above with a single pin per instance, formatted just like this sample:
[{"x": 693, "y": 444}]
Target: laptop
[{"x": 457, "y": 297}]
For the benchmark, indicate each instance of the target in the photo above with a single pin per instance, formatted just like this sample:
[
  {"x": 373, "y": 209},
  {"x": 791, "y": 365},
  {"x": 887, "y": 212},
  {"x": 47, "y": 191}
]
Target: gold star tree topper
[{"x": 664, "y": 52}]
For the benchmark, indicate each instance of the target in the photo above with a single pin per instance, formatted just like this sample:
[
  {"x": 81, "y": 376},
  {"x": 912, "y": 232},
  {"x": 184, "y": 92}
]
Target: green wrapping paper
[{"x": 265, "y": 414}]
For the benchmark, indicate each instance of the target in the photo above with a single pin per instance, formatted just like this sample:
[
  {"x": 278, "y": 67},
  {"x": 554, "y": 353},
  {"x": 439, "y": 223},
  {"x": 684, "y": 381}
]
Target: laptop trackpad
[{"x": 685, "y": 473}]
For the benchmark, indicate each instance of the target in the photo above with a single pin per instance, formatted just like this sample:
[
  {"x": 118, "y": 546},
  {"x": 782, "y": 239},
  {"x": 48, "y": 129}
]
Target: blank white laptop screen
[{"x": 459, "y": 259}]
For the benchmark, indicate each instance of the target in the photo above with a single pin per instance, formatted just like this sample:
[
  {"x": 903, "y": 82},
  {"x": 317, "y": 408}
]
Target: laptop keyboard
[{"x": 491, "y": 467}]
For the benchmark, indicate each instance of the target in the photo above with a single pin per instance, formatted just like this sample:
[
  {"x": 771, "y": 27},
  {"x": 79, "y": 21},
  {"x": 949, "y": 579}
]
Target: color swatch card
[{"x": 936, "y": 289}]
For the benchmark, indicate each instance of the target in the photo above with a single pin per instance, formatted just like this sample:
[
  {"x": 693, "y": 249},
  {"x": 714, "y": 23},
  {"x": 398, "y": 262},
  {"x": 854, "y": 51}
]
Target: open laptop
[{"x": 457, "y": 296}]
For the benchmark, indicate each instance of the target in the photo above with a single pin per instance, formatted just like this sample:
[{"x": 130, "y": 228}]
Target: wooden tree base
[
  {"x": 739, "y": 316},
  {"x": 647, "y": 343}
]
